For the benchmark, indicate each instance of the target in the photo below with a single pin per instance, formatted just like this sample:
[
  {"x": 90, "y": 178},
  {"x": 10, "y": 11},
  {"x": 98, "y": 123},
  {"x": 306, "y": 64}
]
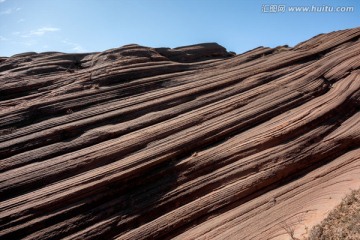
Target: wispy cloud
[
  {"x": 21, "y": 20},
  {"x": 78, "y": 49},
  {"x": 74, "y": 46},
  {"x": 6, "y": 12},
  {"x": 40, "y": 32},
  {"x": 43, "y": 30},
  {"x": 28, "y": 42},
  {"x": 9, "y": 11},
  {"x": 1, "y": 1},
  {"x": 3, "y": 38}
]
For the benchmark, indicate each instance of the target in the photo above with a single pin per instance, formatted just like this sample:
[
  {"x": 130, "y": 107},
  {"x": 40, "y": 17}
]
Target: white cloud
[
  {"x": 39, "y": 32},
  {"x": 9, "y": 11},
  {"x": 78, "y": 49},
  {"x": 28, "y": 43},
  {"x": 43, "y": 30},
  {"x": 21, "y": 20},
  {"x": 1, "y": 1},
  {"x": 74, "y": 46},
  {"x": 3, "y": 38},
  {"x": 6, "y": 12}
]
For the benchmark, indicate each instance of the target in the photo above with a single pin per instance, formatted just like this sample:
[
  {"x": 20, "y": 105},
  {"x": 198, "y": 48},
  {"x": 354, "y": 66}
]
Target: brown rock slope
[{"x": 192, "y": 142}]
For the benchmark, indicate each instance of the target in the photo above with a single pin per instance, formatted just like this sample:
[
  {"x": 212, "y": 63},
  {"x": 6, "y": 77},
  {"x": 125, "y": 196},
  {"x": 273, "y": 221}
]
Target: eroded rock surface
[{"x": 185, "y": 143}]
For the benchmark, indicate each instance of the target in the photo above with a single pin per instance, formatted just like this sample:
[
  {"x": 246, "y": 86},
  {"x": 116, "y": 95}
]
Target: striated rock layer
[{"x": 184, "y": 143}]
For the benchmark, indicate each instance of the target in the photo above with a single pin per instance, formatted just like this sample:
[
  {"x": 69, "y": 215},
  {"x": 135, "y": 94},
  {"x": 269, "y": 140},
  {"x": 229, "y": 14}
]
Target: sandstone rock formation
[{"x": 185, "y": 143}]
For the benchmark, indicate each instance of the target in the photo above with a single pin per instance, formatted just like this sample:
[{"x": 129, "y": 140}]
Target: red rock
[{"x": 190, "y": 142}]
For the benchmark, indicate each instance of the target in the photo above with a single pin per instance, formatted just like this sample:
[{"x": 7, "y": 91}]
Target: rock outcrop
[{"x": 184, "y": 143}]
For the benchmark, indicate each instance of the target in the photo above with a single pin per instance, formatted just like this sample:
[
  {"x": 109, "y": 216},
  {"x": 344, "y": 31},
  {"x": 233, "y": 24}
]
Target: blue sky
[{"x": 97, "y": 25}]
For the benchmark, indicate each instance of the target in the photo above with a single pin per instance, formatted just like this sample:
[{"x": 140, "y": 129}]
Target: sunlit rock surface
[{"x": 187, "y": 143}]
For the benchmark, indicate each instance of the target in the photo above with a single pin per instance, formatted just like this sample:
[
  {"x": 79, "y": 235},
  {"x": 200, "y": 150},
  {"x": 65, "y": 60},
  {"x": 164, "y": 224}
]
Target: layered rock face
[{"x": 186, "y": 143}]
